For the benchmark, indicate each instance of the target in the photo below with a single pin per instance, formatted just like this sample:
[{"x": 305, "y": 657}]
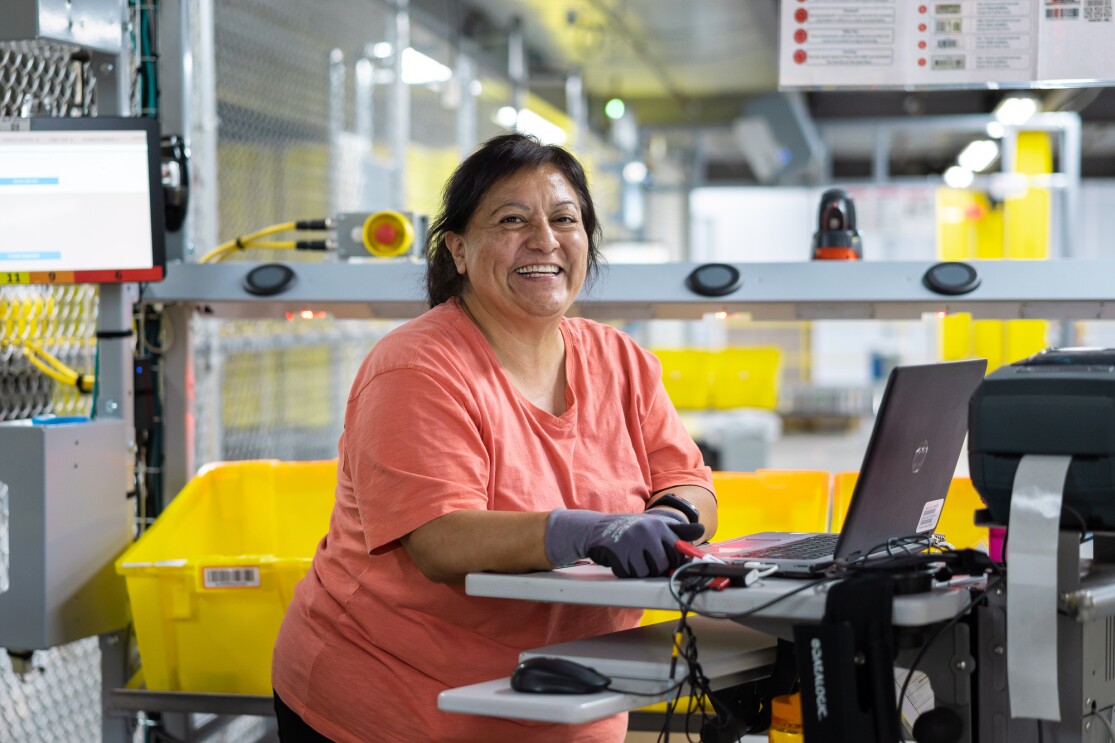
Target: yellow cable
[
  {"x": 54, "y": 368},
  {"x": 48, "y": 357},
  {"x": 288, "y": 245},
  {"x": 244, "y": 241},
  {"x": 48, "y": 371}
]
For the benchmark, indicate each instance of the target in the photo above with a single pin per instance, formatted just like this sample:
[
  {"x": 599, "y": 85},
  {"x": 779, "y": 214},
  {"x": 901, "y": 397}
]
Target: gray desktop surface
[
  {"x": 645, "y": 652},
  {"x": 595, "y": 585},
  {"x": 637, "y": 660}
]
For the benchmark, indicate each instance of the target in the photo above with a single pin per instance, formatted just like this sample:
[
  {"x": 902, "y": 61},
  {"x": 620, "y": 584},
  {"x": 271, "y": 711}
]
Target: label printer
[{"x": 1060, "y": 401}]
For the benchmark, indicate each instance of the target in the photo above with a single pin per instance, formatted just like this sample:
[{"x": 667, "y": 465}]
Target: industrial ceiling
[{"x": 687, "y": 69}]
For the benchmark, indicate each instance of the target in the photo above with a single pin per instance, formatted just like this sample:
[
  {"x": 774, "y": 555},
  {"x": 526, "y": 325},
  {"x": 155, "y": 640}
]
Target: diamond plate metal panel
[{"x": 58, "y": 702}]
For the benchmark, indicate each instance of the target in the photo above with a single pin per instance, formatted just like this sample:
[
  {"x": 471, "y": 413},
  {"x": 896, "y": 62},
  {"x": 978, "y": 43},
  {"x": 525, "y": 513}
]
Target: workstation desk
[
  {"x": 965, "y": 661},
  {"x": 730, "y": 652}
]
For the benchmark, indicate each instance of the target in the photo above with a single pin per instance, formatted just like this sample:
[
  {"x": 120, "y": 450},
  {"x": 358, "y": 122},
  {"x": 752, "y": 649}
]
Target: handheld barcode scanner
[{"x": 836, "y": 238}]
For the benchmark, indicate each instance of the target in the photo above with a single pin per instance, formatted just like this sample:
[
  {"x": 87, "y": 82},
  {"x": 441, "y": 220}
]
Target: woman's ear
[{"x": 456, "y": 246}]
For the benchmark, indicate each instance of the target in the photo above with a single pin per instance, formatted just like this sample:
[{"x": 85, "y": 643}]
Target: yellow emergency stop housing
[{"x": 388, "y": 234}]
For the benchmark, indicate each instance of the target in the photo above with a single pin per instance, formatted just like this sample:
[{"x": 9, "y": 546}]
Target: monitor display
[{"x": 81, "y": 201}]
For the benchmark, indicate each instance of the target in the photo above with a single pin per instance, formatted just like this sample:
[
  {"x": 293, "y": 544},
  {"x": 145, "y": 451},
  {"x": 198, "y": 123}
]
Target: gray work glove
[{"x": 633, "y": 545}]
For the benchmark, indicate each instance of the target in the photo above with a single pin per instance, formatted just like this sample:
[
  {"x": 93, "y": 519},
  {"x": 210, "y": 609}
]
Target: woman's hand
[{"x": 633, "y": 545}]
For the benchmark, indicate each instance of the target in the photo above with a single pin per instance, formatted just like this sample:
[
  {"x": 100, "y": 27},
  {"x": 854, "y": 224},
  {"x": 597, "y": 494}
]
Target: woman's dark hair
[{"x": 495, "y": 160}]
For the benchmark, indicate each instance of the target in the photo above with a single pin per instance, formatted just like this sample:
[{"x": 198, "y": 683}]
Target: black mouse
[{"x": 545, "y": 675}]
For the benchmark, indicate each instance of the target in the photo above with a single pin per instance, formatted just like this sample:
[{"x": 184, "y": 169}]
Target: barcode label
[
  {"x": 244, "y": 577},
  {"x": 948, "y": 63},
  {"x": 930, "y": 514},
  {"x": 947, "y": 9},
  {"x": 1062, "y": 13},
  {"x": 1097, "y": 10},
  {"x": 949, "y": 25},
  {"x": 948, "y": 43}
]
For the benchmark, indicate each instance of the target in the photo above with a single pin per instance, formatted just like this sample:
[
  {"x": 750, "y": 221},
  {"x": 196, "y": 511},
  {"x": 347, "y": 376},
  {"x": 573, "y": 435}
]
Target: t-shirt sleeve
[
  {"x": 673, "y": 456},
  {"x": 413, "y": 452}
]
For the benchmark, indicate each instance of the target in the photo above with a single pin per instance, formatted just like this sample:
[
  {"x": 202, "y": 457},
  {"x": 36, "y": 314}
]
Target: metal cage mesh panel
[
  {"x": 43, "y": 79},
  {"x": 59, "y": 702},
  {"x": 276, "y": 389},
  {"x": 60, "y": 320},
  {"x": 304, "y": 106}
]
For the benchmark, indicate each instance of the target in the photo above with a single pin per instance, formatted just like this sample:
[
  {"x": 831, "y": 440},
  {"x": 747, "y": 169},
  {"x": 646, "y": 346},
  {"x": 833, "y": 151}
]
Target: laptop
[{"x": 907, "y": 468}]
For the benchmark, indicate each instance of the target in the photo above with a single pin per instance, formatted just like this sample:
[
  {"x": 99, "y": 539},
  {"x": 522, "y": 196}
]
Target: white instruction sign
[{"x": 944, "y": 43}]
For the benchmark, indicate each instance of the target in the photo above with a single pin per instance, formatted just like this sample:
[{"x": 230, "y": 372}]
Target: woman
[{"x": 490, "y": 434}]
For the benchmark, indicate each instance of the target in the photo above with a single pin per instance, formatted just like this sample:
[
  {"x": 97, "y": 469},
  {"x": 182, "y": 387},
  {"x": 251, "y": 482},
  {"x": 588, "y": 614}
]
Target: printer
[{"x": 1060, "y": 401}]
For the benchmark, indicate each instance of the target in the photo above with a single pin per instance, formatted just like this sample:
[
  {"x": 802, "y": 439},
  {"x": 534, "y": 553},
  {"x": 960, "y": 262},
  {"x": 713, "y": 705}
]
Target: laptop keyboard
[{"x": 818, "y": 545}]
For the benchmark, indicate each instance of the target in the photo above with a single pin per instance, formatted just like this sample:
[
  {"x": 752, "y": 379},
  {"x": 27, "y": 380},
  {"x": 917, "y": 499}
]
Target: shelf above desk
[
  {"x": 805, "y": 290},
  {"x": 595, "y": 585}
]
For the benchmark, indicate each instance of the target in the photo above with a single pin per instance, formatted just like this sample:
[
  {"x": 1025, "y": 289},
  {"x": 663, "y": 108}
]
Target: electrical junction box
[
  {"x": 354, "y": 234},
  {"x": 64, "y": 518},
  {"x": 92, "y": 24}
]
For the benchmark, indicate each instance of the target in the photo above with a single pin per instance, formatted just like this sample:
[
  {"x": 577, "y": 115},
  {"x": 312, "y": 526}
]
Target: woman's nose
[{"x": 543, "y": 237}]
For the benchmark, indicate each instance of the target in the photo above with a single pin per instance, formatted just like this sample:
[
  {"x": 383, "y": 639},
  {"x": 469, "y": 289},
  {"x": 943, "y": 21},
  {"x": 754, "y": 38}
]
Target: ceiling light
[
  {"x": 995, "y": 130},
  {"x": 382, "y": 50},
  {"x": 528, "y": 122},
  {"x": 506, "y": 117},
  {"x": 978, "y": 155},
  {"x": 614, "y": 109},
  {"x": 958, "y": 177},
  {"x": 1016, "y": 110},
  {"x": 635, "y": 172},
  {"x": 547, "y": 132},
  {"x": 418, "y": 69}
]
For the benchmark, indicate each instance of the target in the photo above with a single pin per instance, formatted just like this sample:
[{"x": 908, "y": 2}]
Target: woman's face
[{"x": 524, "y": 253}]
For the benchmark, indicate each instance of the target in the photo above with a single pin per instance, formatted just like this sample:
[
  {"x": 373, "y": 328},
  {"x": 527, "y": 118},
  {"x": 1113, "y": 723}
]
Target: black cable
[
  {"x": 692, "y": 566},
  {"x": 1041, "y": 732}
]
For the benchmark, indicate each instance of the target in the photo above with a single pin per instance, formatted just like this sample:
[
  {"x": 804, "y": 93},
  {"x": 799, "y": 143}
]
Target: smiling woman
[{"x": 492, "y": 433}]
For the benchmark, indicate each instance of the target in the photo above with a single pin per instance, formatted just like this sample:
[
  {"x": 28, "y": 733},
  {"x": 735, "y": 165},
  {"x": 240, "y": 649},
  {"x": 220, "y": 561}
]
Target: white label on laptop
[{"x": 930, "y": 513}]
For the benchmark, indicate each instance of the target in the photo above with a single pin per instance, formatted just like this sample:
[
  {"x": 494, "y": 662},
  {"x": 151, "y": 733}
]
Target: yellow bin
[{"x": 209, "y": 582}]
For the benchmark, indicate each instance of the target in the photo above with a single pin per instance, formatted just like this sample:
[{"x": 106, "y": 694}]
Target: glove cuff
[{"x": 567, "y": 534}]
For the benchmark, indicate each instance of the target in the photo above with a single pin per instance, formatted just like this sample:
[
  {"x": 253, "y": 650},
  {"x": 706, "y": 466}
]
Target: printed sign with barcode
[
  {"x": 1097, "y": 10},
  {"x": 948, "y": 63},
  {"x": 949, "y": 25},
  {"x": 241, "y": 577},
  {"x": 948, "y": 43},
  {"x": 1062, "y": 13}
]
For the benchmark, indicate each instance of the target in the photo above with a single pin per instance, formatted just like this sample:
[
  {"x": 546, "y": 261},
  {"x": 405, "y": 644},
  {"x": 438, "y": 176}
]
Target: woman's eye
[{"x": 512, "y": 219}]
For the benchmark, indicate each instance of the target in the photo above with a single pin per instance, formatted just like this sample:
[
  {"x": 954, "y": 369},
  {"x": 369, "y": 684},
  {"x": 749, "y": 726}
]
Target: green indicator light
[{"x": 614, "y": 109}]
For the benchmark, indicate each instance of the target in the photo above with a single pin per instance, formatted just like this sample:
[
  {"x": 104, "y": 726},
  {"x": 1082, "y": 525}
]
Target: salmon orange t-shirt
[{"x": 434, "y": 425}]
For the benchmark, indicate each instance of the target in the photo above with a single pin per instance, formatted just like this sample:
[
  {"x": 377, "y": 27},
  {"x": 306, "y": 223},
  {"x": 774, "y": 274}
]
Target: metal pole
[
  {"x": 576, "y": 106},
  {"x": 336, "y": 127},
  {"x": 465, "y": 75},
  {"x": 175, "y": 83},
  {"x": 206, "y": 214},
  {"x": 517, "y": 64},
  {"x": 400, "y": 106}
]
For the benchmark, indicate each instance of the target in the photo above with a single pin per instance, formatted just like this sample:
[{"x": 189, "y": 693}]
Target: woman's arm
[
  {"x": 467, "y": 541},
  {"x": 701, "y": 498}
]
